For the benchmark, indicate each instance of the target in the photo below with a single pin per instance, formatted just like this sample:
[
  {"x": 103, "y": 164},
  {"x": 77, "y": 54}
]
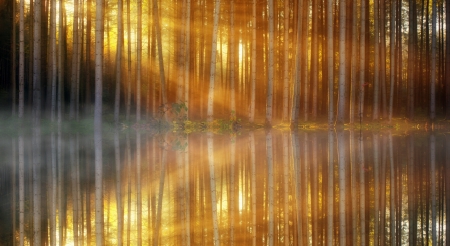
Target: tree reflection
[{"x": 275, "y": 188}]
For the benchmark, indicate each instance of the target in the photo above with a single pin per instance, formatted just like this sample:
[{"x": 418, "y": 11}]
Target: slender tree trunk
[
  {"x": 376, "y": 80},
  {"x": 330, "y": 59},
  {"x": 118, "y": 60},
  {"x": 297, "y": 80},
  {"x": 139, "y": 61},
  {"x": 53, "y": 59},
  {"x": 98, "y": 123},
  {"x": 382, "y": 20},
  {"x": 447, "y": 174},
  {"x": 354, "y": 59},
  {"x": 314, "y": 58},
  {"x": 60, "y": 63},
  {"x": 362, "y": 61},
  {"x": 74, "y": 75},
  {"x": 433, "y": 63},
  {"x": 129, "y": 80},
  {"x": 285, "y": 115},
  {"x": 232, "y": 63},
  {"x": 187, "y": 63},
  {"x": 342, "y": 187},
  {"x": 411, "y": 58},
  {"x": 21, "y": 58},
  {"x": 330, "y": 190},
  {"x": 13, "y": 60},
  {"x": 342, "y": 63},
  {"x": 269, "y": 97},
  {"x": 286, "y": 178},
  {"x": 212, "y": 76},
  {"x": 251, "y": 115},
  {"x": 162, "y": 76},
  {"x": 447, "y": 63},
  {"x": 392, "y": 59}
]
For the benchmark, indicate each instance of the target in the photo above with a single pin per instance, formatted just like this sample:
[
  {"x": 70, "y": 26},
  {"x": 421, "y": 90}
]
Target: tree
[
  {"x": 342, "y": 63},
  {"x": 118, "y": 59},
  {"x": 392, "y": 59},
  {"x": 330, "y": 59},
  {"x": 297, "y": 86},
  {"x": 74, "y": 71},
  {"x": 314, "y": 58},
  {"x": 162, "y": 76},
  {"x": 447, "y": 61},
  {"x": 98, "y": 122},
  {"x": 212, "y": 75},
  {"x": 232, "y": 62},
  {"x": 286, "y": 62},
  {"x": 269, "y": 95},
  {"x": 139, "y": 60},
  {"x": 53, "y": 58},
  {"x": 362, "y": 60},
  {"x": 21, "y": 57},
  {"x": 433, "y": 64},
  {"x": 251, "y": 114},
  {"x": 376, "y": 80}
]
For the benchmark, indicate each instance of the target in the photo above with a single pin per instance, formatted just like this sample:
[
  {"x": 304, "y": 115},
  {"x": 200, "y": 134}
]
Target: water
[{"x": 253, "y": 188}]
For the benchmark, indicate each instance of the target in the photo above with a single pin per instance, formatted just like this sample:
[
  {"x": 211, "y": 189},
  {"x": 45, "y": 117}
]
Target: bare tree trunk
[
  {"x": 411, "y": 58},
  {"x": 342, "y": 187},
  {"x": 232, "y": 63},
  {"x": 21, "y": 58},
  {"x": 392, "y": 60},
  {"x": 447, "y": 65},
  {"x": 269, "y": 97},
  {"x": 447, "y": 174},
  {"x": 354, "y": 66},
  {"x": 74, "y": 75},
  {"x": 297, "y": 86},
  {"x": 342, "y": 64},
  {"x": 98, "y": 123},
  {"x": 376, "y": 80},
  {"x": 129, "y": 80},
  {"x": 382, "y": 20},
  {"x": 13, "y": 61},
  {"x": 139, "y": 61},
  {"x": 118, "y": 60},
  {"x": 251, "y": 115},
  {"x": 212, "y": 76},
  {"x": 362, "y": 60},
  {"x": 285, "y": 115},
  {"x": 330, "y": 59},
  {"x": 187, "y": 73},
  {"x": 160, "y": 55},
  {"x": 433, "y": 64},
  {"x": 314, "y": 58}
]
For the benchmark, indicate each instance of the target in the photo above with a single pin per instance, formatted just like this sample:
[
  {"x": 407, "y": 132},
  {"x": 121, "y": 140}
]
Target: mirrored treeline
[{"x": 252, "y": 188}]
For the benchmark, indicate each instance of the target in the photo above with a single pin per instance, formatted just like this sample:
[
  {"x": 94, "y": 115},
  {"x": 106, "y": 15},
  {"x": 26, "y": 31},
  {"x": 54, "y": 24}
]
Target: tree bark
[
  {"x": 433, "y": 63},
  {"x": 376, "y": 80},
  {"x": 297, "y": 86},
  {"x": 447, "y": 63},
  {"x": 392, "y": 59},
  {"x": 342, "y": 63},
  {"x": 270, "y": 81},
  {"x": 285, "y": 115},
  {"x": 21, "y": 58},
  {"x": 330, "y": 59},
  {"x": 251, "y": 114},
  {"x": 212, "y": 75},
  {"x": 118, "y": 60}
]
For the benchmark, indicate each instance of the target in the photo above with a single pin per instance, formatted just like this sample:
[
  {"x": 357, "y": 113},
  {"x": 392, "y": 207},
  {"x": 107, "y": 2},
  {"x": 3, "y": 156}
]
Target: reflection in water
[{"x": 257, "y": 188}]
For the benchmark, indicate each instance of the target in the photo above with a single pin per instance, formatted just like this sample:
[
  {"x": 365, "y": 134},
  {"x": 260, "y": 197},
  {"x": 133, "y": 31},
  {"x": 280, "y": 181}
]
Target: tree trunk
[
  {"x": 286, "y": 178},
  {"x": 118, "y": 60},
  {"x": 118, "y": 186},
  {"x": 21, "y": 58},
  {"x": 392, "y": 212},
  {"x": 342, "y": 187},
  {"x": 314, "y": 59},
  {"x": 330, "y": 191},
  {"x": 362, "y": 195},
  {"x": 330, "y": 59},
  {"x": 251, "y": 114},
  {"x": 21, "y": 184},
  {"x": 13, "y": 60},
  {"x": 187, "y": 73},
  {"x": 376, "y": 80},
  {"x": 98, "y": 122},
  {"x": 412, "y": 39},
  {"x": 285, "y": 115},
  {"x": 297, "y": 71},
  {"x": 433, "y": 64},
  {"x": 232, "y": 63},
  {"x": 74, "y": 75},
  {"x": 342, "y": 63},
  {"x": 269, "y": 95},
  {"x": 433, "y": 177},
  {"x": 382, "y": 17},
  {"x": 270, "y": 185},
  {"x": 447, "y": 64},
  {"x": 362, "y": 61},
  {"x": 354, "y": 66},
  {"x": 253, "y": 185},
  {"x": 160, "y": 55},
  {"x": 392, "y": 59},
  {"x": 212, "y": 75}
]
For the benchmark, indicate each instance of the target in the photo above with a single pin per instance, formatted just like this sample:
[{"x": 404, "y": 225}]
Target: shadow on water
[{"x": 252, "y": 188}]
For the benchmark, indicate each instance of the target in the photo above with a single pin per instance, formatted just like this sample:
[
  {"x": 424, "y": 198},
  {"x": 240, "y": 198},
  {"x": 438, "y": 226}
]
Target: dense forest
[{"x": 259, "y": 61}]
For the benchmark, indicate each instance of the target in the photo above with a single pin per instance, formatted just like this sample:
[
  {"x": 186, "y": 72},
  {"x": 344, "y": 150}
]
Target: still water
[{"x": 252, "y": 188}]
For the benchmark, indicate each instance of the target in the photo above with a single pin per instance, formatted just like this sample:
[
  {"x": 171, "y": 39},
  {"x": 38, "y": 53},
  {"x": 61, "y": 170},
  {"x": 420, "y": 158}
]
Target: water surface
[{"x": 251, "y": 188}]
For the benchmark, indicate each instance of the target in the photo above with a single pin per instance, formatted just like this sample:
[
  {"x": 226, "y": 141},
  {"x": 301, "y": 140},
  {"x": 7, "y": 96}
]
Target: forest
[{"x": 260, "y": 61}]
